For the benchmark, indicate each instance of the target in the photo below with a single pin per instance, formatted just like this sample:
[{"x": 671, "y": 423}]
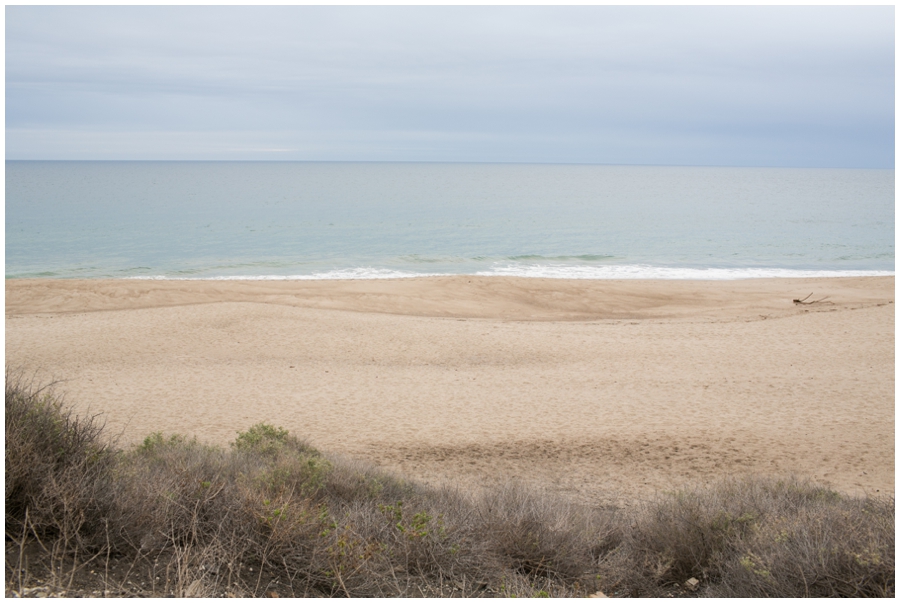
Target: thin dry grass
[
  {"x": 273, "y": 515},
  {"x": 57, "y": 467},
  {"x": 758, "y": 537}
]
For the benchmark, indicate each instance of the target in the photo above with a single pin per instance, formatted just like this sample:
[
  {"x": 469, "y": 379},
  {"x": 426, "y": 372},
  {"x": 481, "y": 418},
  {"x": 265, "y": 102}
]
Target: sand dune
[{"x": 596, "y": 388}]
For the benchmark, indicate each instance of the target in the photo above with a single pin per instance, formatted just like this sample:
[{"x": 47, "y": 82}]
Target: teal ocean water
[{"x": 274, "y": 220}]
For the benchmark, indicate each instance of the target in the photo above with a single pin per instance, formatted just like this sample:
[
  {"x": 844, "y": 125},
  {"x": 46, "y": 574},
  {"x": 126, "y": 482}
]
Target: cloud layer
[{"x": 798, "y": 86}]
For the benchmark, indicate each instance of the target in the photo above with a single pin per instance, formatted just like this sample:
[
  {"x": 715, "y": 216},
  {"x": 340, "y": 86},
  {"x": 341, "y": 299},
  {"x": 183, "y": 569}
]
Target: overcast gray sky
[{"x": 758, "y": 86}]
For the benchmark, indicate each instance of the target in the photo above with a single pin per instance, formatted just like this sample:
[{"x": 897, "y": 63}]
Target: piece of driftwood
[{"x": 806, "y": 303}]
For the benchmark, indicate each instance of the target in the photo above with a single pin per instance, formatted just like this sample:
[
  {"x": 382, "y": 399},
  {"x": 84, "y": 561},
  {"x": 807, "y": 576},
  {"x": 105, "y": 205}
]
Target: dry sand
[{"x": 598, "y": 389}]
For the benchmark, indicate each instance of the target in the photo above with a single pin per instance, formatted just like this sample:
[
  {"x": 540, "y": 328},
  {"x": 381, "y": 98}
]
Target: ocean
[{"x": 309, "y": 220}]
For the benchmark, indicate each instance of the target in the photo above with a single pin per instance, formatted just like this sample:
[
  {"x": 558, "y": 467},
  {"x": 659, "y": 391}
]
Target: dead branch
[{"x": 806, "y": 303}]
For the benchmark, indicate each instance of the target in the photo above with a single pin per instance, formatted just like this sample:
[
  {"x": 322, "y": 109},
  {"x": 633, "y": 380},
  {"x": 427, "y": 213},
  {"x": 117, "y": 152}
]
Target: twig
[
  {"x": 806, "y": 303},
  {"x": 21, "y": 567}
]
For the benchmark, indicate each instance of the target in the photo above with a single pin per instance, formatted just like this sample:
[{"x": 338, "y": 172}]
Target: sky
[{"x": 809, "y": 86}]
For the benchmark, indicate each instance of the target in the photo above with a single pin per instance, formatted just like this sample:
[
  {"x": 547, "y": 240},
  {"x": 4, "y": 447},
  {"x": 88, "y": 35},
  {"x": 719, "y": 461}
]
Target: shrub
[
  {"x": 272, "y": 513},
  {"x": 57, "y": 468},
  {"x": 759, "y": 537},
  {"x": 268, "y": 440},
  {"x": 835, "y": 547},
  {"x": 542, "y": 535}
]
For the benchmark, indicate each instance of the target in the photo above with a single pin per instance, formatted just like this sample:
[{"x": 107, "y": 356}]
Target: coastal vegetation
[{"x": 272, "y": 516}]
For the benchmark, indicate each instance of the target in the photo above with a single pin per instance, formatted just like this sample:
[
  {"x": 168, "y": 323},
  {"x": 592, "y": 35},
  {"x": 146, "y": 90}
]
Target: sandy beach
[{"x": 604, "y": 390}]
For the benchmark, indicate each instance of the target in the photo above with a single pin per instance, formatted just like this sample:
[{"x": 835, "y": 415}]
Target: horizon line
[{"x": 456, "y": 162}]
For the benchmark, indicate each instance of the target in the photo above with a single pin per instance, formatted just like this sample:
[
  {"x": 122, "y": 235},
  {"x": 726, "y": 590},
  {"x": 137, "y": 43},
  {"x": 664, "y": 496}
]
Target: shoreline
[
  {"x": 595, "y": 388},
  {"x": 524, "y": 298},
  {"x": 614, "y": 272}
]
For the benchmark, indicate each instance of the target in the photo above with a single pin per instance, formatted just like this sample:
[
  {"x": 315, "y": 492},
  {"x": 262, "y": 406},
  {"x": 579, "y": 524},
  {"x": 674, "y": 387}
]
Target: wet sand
[{"x": 604, "y": 390}]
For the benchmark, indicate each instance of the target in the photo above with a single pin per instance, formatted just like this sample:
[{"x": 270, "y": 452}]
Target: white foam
[
  {"x": 342, "y": 274},
  {"x": 643, "y": 271},
  {"x": 628, "y": 271}
]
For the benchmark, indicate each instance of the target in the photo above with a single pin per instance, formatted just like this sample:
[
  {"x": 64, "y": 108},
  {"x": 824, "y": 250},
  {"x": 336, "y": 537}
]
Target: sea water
[{"x": 308, "y": 220}]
